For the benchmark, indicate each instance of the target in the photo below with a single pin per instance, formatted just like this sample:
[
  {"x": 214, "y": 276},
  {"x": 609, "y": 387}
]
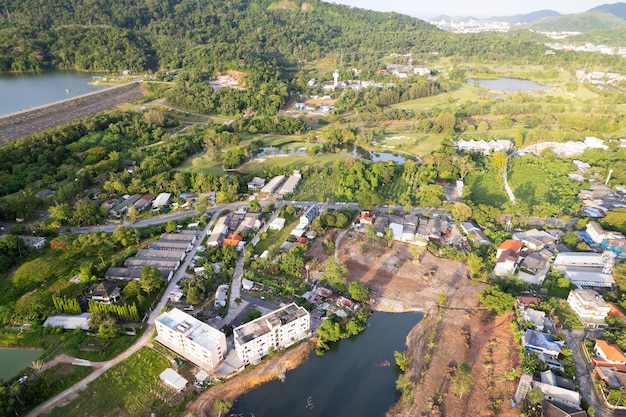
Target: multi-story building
[
  {"x": 276, "y": 330},
  {"x": 589, "y": 307},
  {"x": 190, "y": 338}
]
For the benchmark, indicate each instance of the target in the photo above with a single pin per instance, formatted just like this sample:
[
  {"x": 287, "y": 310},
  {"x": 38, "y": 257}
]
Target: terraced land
[{"x": 28, "y": 122}]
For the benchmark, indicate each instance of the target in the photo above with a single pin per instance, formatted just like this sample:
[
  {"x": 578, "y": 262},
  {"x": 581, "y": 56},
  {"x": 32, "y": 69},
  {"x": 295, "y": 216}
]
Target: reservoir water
[
  {"x": 509, "y": 84},
  {"x": 22, "y": 91},
  {"x": 12, "y": 361},
  {"x": 355, "y": 378}
]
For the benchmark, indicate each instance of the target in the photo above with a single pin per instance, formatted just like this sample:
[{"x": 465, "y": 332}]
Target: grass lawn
[
  {"x": 485, "y": 187},
  {"x": 275, "y": 238},
  {"x": 462, "y": 93},
  {"x": 316, "y": 187},
  {"x": 271, "y": 140},
  {"x": 130, "y": 388},
  {"x": 293, "y": 161},
  {"x": 392, "y": 193},
  {"x": 419, "y": 144},
  {"x": 198, "y": 163}
]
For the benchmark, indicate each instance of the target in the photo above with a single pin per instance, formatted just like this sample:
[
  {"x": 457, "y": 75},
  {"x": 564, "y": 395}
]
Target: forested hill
[
  {"x": 209, "y": 34},
  {"x": 134, "y": 34}
]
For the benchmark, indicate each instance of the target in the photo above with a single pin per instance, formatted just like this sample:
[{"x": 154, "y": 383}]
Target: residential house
[
  {"x": 35, "y": 242},
  {"x": 144, "y": 202},
  {"x": 366, "y": 218},
  {"x": 539, "y": 342},
  {"x": 251, "y": 221},
  {"x": 533, "y": 268},
  {"x": 536, "y": 317},
  {"x": 179, "y": 237},
  {"x": 409, "y": 228},
  {"x": 509, "y": 244},
  {"x": 221, "y": 296},
  {"x": 219, "y": 232},
  {"x": 69, "y": 321},
  {"x": 558, "y": 395},
  {"x": 234, "y": 239},
  {"x": 104, "y": 293},
  {"x": 122, "y": 207},
  {"x": 590, "y": 308},
  {"x": 190, "y": 338},
  {"x": 162, "y": 264},
  {"x": 535, "y": 239},
  {"x": 380, "y": 223},
  {"x": 161, "y": 200},
  {"x": 289, "y": 186},
  {"x": 161, "y": 254},
  {"x": 273, "y": 186},
  {"x": 506, "y": 263},
  {"x": 556, "y": 409},
  {"x": 609, "y": 352},
  {"x": 277, "y": 224},
  {"x": 308, "y": 216},
  {"x": 170, "y": 245},
  {"x": 131, "y": 274},
  {"x": 173, "y": 379},
  {"x": 523, "y": 302},
  {"x": 473, "y": 231},
  {"x": 274, "y": 331}
]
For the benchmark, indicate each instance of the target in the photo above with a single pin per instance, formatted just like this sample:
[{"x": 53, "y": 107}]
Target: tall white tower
[{"x": 335, "y": 78}]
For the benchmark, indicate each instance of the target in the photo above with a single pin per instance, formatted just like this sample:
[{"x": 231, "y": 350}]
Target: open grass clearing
[
  {"x": 275, "y": 238},
  {"x": 317, "y": 187},
  {"x": 462, "y": 93},
  {"x": 291, "y": 161},
  {"x": 131, "y": 388},
  {"x": 419, "y": 144},
  {"x": 485, "y": 187},
  {"x": 198, "y": 163}
]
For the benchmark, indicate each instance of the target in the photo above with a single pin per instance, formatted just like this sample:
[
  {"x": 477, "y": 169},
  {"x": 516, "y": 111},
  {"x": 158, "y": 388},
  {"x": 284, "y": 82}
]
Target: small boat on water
[{"x": 67, "y": 91}]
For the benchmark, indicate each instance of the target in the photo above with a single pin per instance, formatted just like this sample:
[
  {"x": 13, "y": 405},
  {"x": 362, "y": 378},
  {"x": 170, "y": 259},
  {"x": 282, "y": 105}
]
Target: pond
[
  {"x": 355, "y": 378},
  {"x": 509, "y": 84},
  {"x": 33, "y": 89},
  {"x": 357, "y": 152},
  {"x": 12, "y": 361}
]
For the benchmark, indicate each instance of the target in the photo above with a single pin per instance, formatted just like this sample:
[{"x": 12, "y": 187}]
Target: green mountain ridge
[
  {"x": 580, "y": 22},
  {"x": 104, "y": 35}
]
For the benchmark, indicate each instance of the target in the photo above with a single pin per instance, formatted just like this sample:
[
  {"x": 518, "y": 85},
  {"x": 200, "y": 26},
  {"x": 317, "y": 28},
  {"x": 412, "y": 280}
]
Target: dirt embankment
[
  {"x": 404, "y": 279},
  {"x": 268, "y": 370},
  {"x": 41, "y": 118}
]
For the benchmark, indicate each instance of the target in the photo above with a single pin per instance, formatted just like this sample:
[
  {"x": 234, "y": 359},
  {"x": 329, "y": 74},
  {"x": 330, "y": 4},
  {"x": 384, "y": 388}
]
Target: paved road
[
  {"x": 72, "y": 392},
  {"x": 583, "y": 377},
  {"x": 234, "y": 308}
]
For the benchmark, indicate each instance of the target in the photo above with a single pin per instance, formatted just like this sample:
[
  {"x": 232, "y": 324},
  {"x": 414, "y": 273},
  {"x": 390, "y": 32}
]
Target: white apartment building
[
  {"x": 279, "y": 329},
  {"x": 590, "y": 308},
  {"x": 190, "y": 338}
]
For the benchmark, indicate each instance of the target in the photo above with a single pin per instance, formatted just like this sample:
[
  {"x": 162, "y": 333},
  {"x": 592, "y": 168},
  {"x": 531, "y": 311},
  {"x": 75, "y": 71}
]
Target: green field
[
  {"x": 316, "y": 187},
  {"x": 419, "y": 144},
  {"x": 198, "y": 163},
  {"x": 131, "y": 388},
  {"x": 485, "y": 187},
  {"x": 462, "y": 93},
  {"x": 275, "y": 238},
  {"x": 291, "y": 161}
]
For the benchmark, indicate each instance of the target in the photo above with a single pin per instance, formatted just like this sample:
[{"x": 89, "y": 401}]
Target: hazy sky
[{"x": 476, "y": 8}]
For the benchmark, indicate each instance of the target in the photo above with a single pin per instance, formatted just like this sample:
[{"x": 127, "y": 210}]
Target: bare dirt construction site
[{"x": 403, "y": 278}]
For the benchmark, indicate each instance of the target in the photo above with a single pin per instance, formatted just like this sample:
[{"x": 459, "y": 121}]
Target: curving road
[{"x": 69, "y": 394}]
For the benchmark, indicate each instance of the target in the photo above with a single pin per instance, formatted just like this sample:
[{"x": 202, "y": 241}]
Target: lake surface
[
  {"x": 357, "y": 152},
  {"x": 356, "y": 378},
  {"x": 509, "y": 84},
  {"x": 25, "y": 90},
  {"x": 12, "y": 361}
]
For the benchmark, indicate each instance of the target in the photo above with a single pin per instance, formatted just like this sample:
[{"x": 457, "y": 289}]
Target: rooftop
[
  {"x": 510, "y": 244},
  {"x": 612, "y": 352},
  {"x": 192, "y": 328},
  {"x": 264, "y": 324}
]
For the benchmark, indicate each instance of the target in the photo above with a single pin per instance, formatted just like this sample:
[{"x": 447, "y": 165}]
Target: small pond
[
  {"x": 509, "y": 84},
  {"x": 357, "y": 152},
  {"x": 12, "y": 361},
  {"x": 355, "y": 378}
]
